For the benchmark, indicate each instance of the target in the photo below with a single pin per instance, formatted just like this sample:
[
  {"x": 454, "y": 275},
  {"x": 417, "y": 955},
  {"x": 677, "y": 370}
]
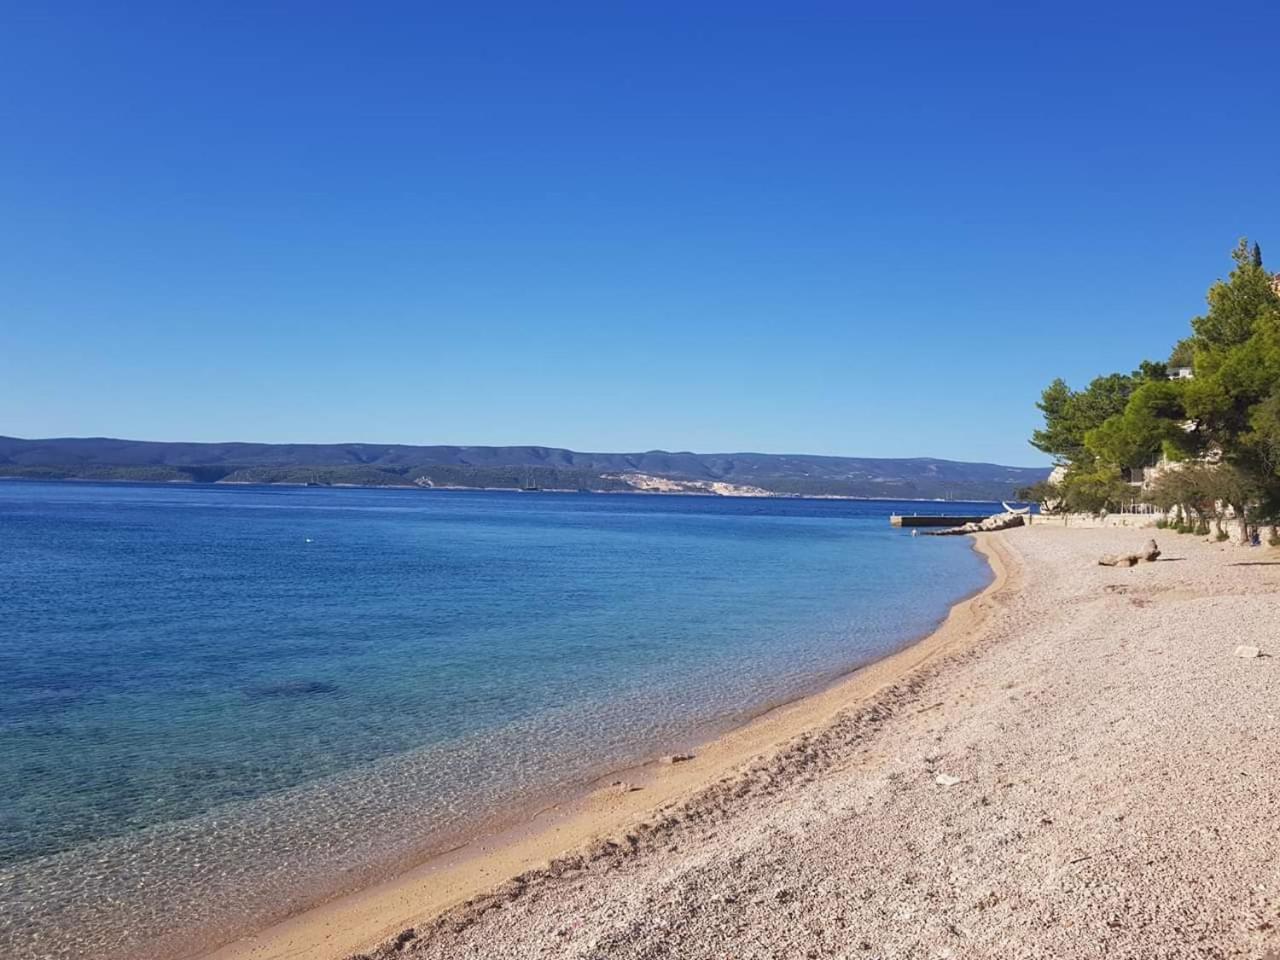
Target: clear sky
[{"x": 790, "y": 227}]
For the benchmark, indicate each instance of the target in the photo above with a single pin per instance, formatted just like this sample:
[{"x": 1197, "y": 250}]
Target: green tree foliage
[
  {"x": 1095, "y": 487},
  {"x": 1201, "y": 490},
  {"x": 1228, "y": 415},
  {"x": 1264, "y": 421},
  {"x": 1151, "y": 424},
  {"x": 1040, "y": 492},
  {"x": 1183, "y": 353},
  {"x": 1070, "y": 414},
  {"x": 1232, "y": 401},
  {"x": 1235, "y": 304}
]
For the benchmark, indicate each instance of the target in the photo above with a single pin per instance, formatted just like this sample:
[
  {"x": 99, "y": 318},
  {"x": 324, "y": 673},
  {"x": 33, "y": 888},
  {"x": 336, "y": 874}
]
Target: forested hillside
[{"x": 503, "y": 467}]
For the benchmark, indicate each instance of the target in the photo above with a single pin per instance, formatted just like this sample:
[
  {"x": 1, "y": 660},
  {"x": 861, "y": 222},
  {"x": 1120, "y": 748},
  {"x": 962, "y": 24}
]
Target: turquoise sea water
[{"x": 215, "y": 700}]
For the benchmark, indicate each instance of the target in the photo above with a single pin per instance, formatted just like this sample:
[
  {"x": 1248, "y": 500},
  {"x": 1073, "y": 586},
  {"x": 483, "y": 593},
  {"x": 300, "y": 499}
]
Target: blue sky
[{"x": 825, "y": 228}]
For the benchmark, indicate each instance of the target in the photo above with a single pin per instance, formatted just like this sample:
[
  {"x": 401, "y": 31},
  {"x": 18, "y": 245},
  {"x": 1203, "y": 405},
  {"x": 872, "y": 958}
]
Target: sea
[{"x": 219, "y": 704}]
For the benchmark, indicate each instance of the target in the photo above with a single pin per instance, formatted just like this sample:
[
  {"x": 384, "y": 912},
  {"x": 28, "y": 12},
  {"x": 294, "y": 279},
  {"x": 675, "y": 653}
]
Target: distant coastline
[{"x": 528, "y": 468}]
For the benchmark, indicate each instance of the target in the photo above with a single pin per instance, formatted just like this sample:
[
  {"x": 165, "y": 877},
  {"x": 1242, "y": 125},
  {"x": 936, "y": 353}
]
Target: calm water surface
[{"x": 215, "y": 699}]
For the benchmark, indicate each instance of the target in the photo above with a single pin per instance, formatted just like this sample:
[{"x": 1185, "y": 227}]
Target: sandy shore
[{"x": 1074, "y": 765}]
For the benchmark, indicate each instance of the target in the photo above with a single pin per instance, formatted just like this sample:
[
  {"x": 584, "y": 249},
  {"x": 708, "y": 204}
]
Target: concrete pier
[{"x": 918, "y": 520}]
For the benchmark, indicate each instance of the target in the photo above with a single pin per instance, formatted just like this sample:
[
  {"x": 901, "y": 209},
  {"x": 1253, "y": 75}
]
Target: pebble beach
[{"x": 1080, "y": 763}]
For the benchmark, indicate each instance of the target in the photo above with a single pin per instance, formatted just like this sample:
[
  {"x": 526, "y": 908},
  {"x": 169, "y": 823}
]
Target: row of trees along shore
[{"x": 1213, "y": 436}]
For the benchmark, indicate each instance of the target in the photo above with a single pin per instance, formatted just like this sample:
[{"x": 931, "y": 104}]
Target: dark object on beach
[
  {"x": 677, "y": 758},
  {"x": 403, "y": 937}
]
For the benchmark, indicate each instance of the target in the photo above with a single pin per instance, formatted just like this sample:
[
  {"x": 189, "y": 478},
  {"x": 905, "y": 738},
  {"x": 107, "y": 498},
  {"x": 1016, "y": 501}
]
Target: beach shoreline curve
[{"x": 455, "y": 883}]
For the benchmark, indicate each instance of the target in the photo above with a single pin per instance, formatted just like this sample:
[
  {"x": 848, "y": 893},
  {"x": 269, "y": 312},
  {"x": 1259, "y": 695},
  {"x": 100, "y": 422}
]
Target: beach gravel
[{"x": 1111, "y": 791}]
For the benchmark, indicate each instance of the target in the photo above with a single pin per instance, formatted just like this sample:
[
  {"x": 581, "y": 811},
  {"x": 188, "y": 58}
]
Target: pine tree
[{"x": 1257, "y": 255}]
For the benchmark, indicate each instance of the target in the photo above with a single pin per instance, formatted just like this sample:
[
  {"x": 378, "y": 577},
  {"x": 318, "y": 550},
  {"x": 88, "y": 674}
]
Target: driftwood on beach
[{"x": 1149, "y": 553}]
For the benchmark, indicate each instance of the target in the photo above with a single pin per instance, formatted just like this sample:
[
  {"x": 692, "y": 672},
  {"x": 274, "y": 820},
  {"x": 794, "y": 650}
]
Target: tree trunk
[{"x": 1242, "y": 524}]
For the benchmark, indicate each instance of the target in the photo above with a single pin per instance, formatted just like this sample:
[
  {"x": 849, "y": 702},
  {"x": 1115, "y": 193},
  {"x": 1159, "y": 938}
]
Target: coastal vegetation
[{"x": 1198, "y": 435}]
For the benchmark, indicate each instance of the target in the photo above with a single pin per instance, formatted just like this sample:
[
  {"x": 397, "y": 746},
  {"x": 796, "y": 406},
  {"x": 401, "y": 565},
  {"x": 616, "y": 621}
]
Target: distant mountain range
[{"x": 544, "y": 468}]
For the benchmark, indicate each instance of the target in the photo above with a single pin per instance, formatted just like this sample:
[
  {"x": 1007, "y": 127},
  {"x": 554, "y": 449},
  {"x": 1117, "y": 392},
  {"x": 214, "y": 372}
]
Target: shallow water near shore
[{"x": 218, "y": 703}]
